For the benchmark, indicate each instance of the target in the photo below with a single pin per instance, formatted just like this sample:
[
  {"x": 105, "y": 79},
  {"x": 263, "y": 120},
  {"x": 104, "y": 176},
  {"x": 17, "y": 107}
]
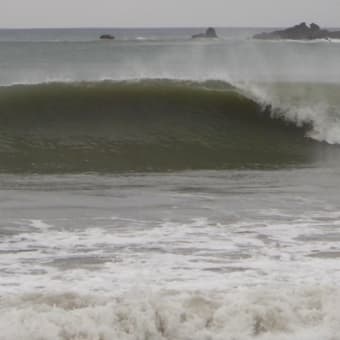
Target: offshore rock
[
  {"x": 209, "y": 33},
  {"x": 299, "y": 32},
  {"x": 106, "y": 37}
]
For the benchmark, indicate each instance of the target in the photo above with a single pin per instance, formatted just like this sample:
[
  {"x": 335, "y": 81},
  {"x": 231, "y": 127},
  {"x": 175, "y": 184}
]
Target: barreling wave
[{"x": 145, "y": 125}]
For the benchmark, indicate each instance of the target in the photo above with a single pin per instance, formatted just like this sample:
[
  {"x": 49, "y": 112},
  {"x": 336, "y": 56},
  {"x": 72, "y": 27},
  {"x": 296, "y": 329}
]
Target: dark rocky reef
[
  {"x": 209, "y": 33},
  {"x": 299, "y": 32},
  {"x": 106, "y": 37}
]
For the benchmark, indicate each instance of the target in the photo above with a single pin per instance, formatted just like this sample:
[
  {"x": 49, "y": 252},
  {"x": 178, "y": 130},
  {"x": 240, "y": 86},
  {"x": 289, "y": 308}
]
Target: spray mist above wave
[
  {"x": 230, "y": 60},
  {"x": 314, "y": 105}
]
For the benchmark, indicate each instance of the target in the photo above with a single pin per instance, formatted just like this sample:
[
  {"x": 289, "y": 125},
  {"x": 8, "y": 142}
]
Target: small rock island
[
  {"x": 299, "y": 32},
  {"x": 107, "y": 37},
  {"x": 209, "y": 33}
]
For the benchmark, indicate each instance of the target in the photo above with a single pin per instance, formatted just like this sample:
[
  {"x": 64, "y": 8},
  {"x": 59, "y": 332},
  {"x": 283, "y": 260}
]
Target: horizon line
[{"x": 140, "y": 27}]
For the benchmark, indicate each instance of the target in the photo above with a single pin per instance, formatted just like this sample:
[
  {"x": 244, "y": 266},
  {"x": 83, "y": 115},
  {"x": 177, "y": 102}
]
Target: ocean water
[{"x": 159, "y": 188}]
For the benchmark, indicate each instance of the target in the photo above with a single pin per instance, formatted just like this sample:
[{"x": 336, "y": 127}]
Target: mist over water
[
  {"x": 155, "y": 187},
  {"x": 236, "y": 60}
]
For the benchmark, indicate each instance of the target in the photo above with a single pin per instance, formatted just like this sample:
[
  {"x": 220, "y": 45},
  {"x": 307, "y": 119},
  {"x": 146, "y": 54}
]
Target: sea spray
[{"x": 314, "y": 105}]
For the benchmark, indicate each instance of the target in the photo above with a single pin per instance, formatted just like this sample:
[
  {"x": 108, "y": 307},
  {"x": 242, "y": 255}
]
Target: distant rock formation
[
  {"x": 107, "y": 37},
  {"x": 299, "y": 32},
  {"x": 209, "y": 33}
]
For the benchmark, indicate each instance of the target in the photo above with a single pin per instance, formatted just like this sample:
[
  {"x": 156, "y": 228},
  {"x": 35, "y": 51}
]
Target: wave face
[{"x": 148, "y": 125}]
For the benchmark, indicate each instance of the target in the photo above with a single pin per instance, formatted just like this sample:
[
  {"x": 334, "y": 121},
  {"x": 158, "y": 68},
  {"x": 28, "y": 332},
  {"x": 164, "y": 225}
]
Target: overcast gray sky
[{"x": 139, "y": 13}]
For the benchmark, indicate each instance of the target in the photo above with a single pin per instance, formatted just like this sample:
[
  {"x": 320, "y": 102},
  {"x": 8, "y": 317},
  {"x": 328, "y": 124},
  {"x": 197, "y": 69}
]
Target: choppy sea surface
[{"x": 159, "y": 187}]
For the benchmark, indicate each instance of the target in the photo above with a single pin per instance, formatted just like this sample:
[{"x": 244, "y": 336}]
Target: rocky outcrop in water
[
  {"x": 299, "y": 32},
  {"x": 106, "y": 37},
  {"x": 209, "y": 33}
]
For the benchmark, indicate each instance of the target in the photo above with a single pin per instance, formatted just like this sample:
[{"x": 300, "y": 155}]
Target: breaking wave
[
  {"x": 237, "y": 314},
  {"x": 160, "y": 124}
]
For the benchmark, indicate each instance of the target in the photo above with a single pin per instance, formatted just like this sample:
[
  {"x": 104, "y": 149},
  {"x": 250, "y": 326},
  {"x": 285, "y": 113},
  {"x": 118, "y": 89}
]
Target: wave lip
[{"x": 143, "y": 125}]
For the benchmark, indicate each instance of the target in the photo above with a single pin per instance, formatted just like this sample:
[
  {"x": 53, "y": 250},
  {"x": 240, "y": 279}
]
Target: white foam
[
  {"x": 39, "y": 224},
  {"x": 263, "y": 263},
  {"x": 236, "y": 314},
  {"x": 196, "y": 254}
]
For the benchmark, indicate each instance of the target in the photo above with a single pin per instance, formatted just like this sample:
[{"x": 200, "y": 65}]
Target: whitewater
[{"x": 154, "y": 187}]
